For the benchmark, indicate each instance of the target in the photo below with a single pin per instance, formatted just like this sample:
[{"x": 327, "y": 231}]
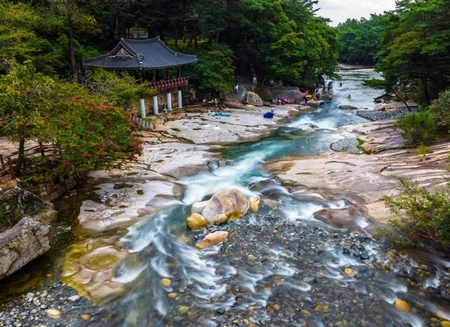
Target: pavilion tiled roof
[{"x": 148, "y": 54}]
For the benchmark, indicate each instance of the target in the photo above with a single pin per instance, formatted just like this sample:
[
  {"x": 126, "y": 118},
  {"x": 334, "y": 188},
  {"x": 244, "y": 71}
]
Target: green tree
[
  {"x": 86, "y": 131},
  {"x": 415, "y": 49},
  {"x": 214, "y": 71},
  {"x": 25, "y": 96},
  {"x": 90, "y": 133},
  {"x": 440, "y": 113},
  {"x": 24, "y": 36},
  {"x": 359, "y": 41}
]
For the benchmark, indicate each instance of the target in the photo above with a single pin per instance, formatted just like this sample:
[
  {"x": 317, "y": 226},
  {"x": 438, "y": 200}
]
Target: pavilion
[{"x": 148, "y": 55}]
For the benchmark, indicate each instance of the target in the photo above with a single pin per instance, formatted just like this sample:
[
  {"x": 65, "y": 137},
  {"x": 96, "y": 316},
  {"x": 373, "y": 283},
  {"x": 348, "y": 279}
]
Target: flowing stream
[{"x": 280, "y": 266}]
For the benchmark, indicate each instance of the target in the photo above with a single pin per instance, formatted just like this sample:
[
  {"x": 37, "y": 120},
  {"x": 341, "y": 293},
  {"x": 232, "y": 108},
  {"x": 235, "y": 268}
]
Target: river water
[{"x": 280, "y": 266}]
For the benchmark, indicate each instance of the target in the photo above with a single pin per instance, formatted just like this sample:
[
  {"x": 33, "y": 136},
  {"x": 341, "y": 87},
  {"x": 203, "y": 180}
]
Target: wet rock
[
  {"x": 198, "y": 207},
  {"x": 232, "y": 203},
  {"x": 445, "y": 292},
  {"x": 212, "y": 239},
  {"x": 53, "y": 313},
  {"x": 402, "y": 305},
  {"x": 364, "y": 255},
  {"x": 166, "y": 282},
  {"x": 347, "y": 106},
  {"x": 93, "y": 272},
  {"x": 196, "y": 221},
  {"x": 183, "y": 309},
  {"x": 255, "y": 202}
]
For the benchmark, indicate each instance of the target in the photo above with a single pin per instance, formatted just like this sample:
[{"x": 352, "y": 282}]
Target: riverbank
[{"x": 180, "y": 147}]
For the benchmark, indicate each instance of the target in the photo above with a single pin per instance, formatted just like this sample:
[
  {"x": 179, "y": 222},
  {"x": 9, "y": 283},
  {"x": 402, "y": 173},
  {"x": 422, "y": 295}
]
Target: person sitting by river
[
  {"x": 269, "y": 114},
  {"x": 317, "y": 95}
]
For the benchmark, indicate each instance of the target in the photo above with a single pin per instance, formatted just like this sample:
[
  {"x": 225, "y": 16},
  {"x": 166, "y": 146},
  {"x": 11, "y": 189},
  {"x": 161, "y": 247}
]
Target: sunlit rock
[
  {"x": 402, "y": 305},
  {"x": 196, "y": 221},
  {"x": 53, "y": 313},
  {"x": 220, "y": 219},
  {"x": 254, "y": 202},
  {"x": 166, "y": 282},
  {"x": 232, "y": 203},
  {"x": 183, "y": 309},
  {"x": 212, "y": 239},
  {"x": 349, "y": 271}
]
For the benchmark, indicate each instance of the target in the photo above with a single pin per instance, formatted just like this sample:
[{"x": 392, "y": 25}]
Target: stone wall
[{"x": 50, "y": 188}]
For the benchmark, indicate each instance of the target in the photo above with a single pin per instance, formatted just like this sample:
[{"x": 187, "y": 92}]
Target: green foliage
[
  {"x": 415, "y": 49},
  {"x": 375, "y": 83},
  {"x": 214, "y": 71},
  {"x": 90, "y": 133},
  {"x": 87, "y": 131},
  {"x": 422, "y": 150},
  {"x": 423, "y": 217},
  {"x": 360, "y": 146},
  {"x": 9, "y": 218},
  {"x": 417, "y": 128},
  {"x": 120, "y": 89},
  {"x": 359, "y": 41},
  {"x": 25, "y": 96},
  {"x": 440, "y": 113}
]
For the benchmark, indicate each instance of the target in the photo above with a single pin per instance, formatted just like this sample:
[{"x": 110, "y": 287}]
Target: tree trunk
[
  {"x": 21, "y": 157},
  {"x": 425, "y": 89},
  {"x": 73, "y": 63}
]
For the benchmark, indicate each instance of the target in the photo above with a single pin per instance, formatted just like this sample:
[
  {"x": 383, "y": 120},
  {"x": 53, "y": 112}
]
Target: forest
[
  {"x": 47, "y": 96},
  {"x": 83, "y": 116}
]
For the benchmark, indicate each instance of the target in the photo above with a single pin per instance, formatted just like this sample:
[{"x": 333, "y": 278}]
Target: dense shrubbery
[
  {"x": 440, "y": 113},
  {"x": 86, "y": 131},
  {"x": 428, "y": 124},
  {"x": 424, "y": 217},
  {"x": 417, "y": 128}
]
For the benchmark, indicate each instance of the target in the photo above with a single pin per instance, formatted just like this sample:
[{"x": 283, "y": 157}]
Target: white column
[
  {"x": 142, "y": 104},
  {"x": 155, "y": 105},
  {"x": 180, "y": 99},
  {"x": 169, "y": 101}
]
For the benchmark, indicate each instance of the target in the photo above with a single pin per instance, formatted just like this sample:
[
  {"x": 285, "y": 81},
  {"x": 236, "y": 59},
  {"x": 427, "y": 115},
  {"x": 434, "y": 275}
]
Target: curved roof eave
[{"x": 133, "y": 54}]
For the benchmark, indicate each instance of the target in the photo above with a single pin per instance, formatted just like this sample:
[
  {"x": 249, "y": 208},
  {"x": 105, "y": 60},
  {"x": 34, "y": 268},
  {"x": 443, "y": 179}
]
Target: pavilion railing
[{"x": 170, "y": 83}]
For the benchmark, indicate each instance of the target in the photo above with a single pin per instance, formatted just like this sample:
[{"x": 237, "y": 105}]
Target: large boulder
[
  {"x": 224, "y": 206},
  {"x": 19, "y": 200},
  {"x": 24, "y": 242},
  {"x": 292, "y": 93},
  {"x": 254, "y": 99}
]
